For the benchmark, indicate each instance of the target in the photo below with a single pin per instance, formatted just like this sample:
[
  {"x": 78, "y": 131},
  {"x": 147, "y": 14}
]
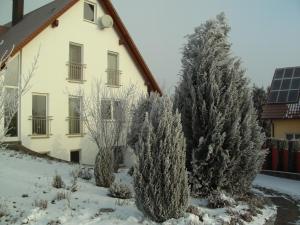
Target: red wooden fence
[{"x": 283, "y": 155}]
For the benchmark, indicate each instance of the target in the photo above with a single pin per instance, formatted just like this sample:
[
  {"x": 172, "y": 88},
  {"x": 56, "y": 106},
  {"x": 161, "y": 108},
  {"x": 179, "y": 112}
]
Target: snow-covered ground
[
  {"x": 282, "y": 185},
  {"x": 25, "y": 179}
]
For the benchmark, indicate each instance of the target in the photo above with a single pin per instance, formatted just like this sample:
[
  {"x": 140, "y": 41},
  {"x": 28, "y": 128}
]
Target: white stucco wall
[{"x": 51, "y": 78}]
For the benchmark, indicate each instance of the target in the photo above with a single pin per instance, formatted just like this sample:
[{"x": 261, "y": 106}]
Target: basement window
[
  {"x": 89, "y": 13},
  {"x": 75, "y": 156}
]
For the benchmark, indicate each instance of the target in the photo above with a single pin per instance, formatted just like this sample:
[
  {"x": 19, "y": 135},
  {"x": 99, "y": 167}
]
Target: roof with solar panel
[{"x": 283, "y": 98}]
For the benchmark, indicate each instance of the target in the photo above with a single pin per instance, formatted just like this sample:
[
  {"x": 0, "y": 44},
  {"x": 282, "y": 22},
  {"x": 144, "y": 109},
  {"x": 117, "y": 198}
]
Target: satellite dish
[{"x": 106, "y": 22}]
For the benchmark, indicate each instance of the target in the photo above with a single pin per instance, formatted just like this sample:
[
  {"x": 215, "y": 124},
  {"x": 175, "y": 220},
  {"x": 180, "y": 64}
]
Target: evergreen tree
[
  {"x": 218, "y": 119},
  {"x": 143, "y": 105},
  {"x": 160, "y": 178},
  {"x": 259, "y": 99}
]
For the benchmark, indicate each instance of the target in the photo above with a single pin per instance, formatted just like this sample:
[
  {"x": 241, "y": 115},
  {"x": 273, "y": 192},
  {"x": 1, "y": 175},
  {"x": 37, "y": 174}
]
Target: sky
[{"x": 265, "y": 34}]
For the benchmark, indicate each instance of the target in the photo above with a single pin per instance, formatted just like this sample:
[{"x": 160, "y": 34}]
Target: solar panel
[{"x": 285, "y": 86}]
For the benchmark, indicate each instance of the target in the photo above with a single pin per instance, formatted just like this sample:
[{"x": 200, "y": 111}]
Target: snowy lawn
[
  {"x": 282, "y": 185},
  {"x": 25, "y": 180}
]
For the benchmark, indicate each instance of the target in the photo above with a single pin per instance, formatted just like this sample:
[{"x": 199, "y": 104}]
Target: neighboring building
[
  {"x": 283, "y": 107},
  {"x": 78, "y": 41}
]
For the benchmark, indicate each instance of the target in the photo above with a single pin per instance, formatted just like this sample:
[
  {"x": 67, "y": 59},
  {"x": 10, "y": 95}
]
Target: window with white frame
[
  {"x": 75, "y": 62},
  {"x": 11, "y": 83},
  {"x": 75, "y": 125},
  {"x": 293, "y": 136},
  {"x": 40, "y": 125},
  {"x": 113, "y": 72},
  {"x": 89, "y": 13},
  {"x": 111, "y": 109},
  {"x": 10, "y": 112}
]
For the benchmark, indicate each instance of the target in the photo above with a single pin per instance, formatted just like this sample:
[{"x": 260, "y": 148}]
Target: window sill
[
  {"x": 113, "y": 85},
  {"x": 76, "y": 81},
  {"x": 75, "y": 135},
  {"x": 33, "y": 136},
  {"x": 89, "y": 21}
]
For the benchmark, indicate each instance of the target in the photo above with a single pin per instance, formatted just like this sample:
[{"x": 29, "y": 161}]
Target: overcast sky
[{"x": 265, "y": 33}]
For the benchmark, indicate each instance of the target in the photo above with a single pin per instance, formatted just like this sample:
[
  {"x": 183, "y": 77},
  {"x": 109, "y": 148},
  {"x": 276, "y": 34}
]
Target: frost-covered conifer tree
[
  {"x": 212, "y": 97},
  {"x": 160, "y": 178},
  {"x": 143, "y": 105}
]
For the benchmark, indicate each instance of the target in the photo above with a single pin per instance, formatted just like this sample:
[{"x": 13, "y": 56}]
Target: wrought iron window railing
[{"x": 76, "y": 71}]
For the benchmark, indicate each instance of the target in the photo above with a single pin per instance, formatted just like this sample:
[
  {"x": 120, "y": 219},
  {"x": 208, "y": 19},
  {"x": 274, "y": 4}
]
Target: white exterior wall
[{"x": 51, "y": 78}]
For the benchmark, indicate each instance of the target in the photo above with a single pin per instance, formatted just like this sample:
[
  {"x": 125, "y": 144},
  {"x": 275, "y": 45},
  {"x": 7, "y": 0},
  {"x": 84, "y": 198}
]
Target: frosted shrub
[
  {"x": 57, "y": 182},
  {"x": 60, "y": 196},
  {"x": 219, "y": 121},
  {"x": 138, "y": 118},
  {"x": 41, "y": 204},
  {"x": 219, "y": 200},
  {"x": 3, "y": 210},
  {"x": 103, "y": 170},
  {"x": 119, "y": 190},
  {"x": 85, "y": 174},
  {"x": 106, "y": 135},
  {"x": 160, "y": 178}
]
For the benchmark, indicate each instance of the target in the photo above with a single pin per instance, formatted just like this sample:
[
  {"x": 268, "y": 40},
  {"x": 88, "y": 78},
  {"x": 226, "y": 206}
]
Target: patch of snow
[
  {"x": 282, "y": 185},
  {"x": 267, "y": 214},
  {"x": 25, "y": 179}
]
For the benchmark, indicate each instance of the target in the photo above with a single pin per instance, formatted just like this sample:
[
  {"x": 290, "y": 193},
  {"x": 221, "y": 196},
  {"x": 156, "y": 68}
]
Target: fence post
[
  {"x": 297, "y": 154},
  {"x": 285, "y": 156},
  {"x": 274, "y": 155}
]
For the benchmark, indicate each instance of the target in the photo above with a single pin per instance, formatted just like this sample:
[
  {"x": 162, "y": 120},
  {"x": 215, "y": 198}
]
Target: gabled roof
[
  {"x": 283, "y": 97},
  {"x": 36, "y": 21},
  {"x": 281, "y": 111}
]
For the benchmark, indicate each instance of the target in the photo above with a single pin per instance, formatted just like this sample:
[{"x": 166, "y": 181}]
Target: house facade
[
  {"x": 283, "y": 107},
  {"x": 75, "y": 43}
]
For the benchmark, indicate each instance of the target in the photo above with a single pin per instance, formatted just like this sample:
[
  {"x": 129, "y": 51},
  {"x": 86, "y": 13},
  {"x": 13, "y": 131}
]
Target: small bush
[
  {"x": 74, "y": 186},
  {"x": 118, "y": 190},
  {"x": 75, "y": 173},
  {"x": 235, "y": 220},
  {"x": 85, "y": 174},
  {"x": 57, "y": 182},
  {"x": 3, "y": 210},
  {"x": 103, "y": 170},
  {"x": 54, "y": 222},
  {"x": 246, "y": 217},
  {"x": 193, "y": 210},
  {"x": 41, "y": 204},
  {"x": 60, "y": 196},
  {"x": 219, "y": 200}
]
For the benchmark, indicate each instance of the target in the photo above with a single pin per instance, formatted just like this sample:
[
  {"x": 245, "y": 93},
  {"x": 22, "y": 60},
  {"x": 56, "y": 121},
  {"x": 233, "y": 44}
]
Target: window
[
  {"x": 75, "y": 156},
  {"x": 89, "y": 13},
  {"x": 74, "y": 115},
  {"x": 11, "y": 82},
  {"x": 75, "y": 62},
  {"x": 39, "y": 115},
  {"x": 292, "y": 136},
  {"x": 113, "y": 73},
  {"x": 111, "y": 109},
  {"x": 10, "y": 110}
]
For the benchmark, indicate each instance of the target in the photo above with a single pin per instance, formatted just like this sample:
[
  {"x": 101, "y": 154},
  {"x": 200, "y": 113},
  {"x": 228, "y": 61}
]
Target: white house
[{"x": 77, "y": 41}]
